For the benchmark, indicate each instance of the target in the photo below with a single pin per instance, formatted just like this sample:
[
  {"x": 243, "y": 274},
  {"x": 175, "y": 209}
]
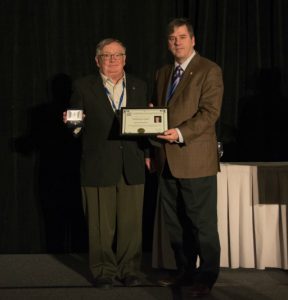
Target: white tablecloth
[{"x": 252, "y": 218}]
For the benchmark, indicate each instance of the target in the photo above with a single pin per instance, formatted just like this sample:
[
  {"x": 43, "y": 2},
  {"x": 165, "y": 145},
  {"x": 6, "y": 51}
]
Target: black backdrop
[{"x": 45, "y": 44}]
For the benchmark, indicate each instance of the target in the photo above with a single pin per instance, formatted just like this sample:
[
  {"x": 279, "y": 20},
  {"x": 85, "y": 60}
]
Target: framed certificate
[{"x": 144, "y": 121}]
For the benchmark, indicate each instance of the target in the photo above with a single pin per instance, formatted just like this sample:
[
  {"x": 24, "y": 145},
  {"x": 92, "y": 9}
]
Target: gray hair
[{"x": 106, "y": 42}]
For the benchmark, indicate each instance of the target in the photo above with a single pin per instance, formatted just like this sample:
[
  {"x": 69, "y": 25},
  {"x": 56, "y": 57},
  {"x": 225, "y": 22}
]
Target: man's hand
[
  {"x": 65, "y": 117},
  {"x": 170, "y": 135},
  {"x": 151, "y": 164},
  {"x": 148, "y": 163}
]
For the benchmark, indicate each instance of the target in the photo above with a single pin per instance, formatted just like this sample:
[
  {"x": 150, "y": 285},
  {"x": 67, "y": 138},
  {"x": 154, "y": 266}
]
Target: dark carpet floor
[{"x": 45, "y": 276}]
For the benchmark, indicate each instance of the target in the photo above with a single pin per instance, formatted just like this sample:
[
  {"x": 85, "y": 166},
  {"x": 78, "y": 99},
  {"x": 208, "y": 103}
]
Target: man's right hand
[{"x": 65, "y": 117}]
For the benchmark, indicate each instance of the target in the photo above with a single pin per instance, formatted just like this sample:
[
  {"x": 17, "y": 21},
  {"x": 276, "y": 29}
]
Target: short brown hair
[{"x": 180, "y": 22}]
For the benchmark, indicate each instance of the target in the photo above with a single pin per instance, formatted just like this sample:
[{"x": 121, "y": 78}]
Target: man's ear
[{"x": 97, "y": 61}]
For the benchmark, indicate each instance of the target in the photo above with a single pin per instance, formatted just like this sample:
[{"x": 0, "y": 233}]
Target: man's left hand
[
  {"x": 170, "y": 135},
  {"x": 148, "y": 163}
]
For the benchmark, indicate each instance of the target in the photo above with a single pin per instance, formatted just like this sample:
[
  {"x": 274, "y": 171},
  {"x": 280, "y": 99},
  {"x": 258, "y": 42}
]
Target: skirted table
[{"x": 252, "y": 218}]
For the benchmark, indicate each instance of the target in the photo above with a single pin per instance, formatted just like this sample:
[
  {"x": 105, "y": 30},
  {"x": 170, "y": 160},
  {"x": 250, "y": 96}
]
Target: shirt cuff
[{"x": 180, "y": 136}]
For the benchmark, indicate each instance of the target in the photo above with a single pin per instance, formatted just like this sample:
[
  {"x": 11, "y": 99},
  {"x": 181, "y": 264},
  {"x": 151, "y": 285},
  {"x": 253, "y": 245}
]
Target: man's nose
[
  {"x": 112, "y": 57},
  {"x": 176, "y": 41}
]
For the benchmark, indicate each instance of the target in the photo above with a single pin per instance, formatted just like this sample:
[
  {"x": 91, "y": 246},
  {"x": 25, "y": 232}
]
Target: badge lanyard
[{"x": 120, "y": 100}]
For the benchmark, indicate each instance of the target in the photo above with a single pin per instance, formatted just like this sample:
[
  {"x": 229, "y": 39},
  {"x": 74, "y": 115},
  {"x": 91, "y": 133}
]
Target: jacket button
[{"x": 121, "y": 147}]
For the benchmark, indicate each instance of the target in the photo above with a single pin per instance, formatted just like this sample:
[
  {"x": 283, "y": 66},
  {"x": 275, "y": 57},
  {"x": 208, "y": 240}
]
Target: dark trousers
[
  {"x": 190, "y": 214},
  {"x": 114, "y": 211}
]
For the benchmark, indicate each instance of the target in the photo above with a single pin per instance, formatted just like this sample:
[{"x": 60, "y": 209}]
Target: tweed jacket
[
  {"x": 105, "y": 154},
  {"x": 194, "y": 108}
]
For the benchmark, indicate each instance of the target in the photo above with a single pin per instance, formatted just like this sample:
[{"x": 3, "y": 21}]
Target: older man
[{"x": 112, "y": 167}]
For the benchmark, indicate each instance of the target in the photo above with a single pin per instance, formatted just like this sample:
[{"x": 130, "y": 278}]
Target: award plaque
[
  {"x": 144, "y": 121},
  {"x": 74, "y": 117}
]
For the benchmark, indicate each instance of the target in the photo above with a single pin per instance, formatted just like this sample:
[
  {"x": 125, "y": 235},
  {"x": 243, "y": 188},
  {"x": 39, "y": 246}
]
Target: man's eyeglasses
[{"x": 116, "y": 56}]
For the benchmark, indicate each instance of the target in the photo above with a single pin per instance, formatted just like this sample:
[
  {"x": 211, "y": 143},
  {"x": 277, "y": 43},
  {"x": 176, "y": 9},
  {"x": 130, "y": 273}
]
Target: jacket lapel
[
  {"x": 131, "y": 100},
  {"x": 165, "y": 84},
  {"x": 101, "y": 96},
  {"x": 186, "y": 78}
]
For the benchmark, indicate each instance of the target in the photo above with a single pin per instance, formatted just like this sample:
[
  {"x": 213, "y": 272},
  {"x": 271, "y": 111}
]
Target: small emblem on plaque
[{"x": 141, "y": 130}]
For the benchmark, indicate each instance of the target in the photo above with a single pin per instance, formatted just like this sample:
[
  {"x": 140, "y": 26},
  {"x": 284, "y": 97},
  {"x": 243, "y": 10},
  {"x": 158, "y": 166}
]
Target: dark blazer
[
  {"x": 194, "y": 109},
  {"x": 105, "y": 155}
]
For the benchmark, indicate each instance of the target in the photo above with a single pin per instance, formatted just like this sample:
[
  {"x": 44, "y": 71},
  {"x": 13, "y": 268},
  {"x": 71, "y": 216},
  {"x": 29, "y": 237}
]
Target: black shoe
[
  {"x": 199, "y": 290},
  {"x": 170, "y": 281},
  {"x": 131, "y": 281},
  {"x": 181, "y": 279},
  {"x": 103, "y": 283}
]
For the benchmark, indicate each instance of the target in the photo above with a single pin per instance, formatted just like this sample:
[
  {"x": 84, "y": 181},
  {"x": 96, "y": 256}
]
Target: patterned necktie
[{"x": 177, "y": 74}]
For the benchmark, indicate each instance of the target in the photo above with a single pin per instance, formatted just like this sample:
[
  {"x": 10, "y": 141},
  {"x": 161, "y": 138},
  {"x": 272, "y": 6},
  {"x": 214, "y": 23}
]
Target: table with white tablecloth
[{"x": 252, "y": 218}]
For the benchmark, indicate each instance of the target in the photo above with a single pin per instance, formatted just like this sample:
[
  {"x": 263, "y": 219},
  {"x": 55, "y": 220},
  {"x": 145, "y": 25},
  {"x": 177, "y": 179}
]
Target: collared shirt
[
  {"x": 186, "y": 62},
  {"x": 183, "y": 66},
  {"x": 115, "y": 90}
]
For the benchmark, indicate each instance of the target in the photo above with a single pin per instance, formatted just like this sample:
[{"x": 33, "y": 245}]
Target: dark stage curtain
[{"x": 46, "y": 44}]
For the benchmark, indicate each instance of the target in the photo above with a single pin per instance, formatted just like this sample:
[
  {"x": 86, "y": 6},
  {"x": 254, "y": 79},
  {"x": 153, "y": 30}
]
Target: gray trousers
[{"x": 114, "y": 212}]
